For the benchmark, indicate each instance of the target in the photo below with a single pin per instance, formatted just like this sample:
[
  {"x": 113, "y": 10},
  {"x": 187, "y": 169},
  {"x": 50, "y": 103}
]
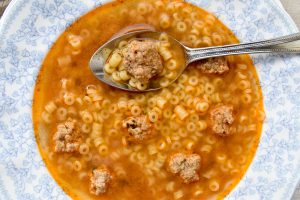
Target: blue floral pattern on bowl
[{"x": 29, "y": 28}]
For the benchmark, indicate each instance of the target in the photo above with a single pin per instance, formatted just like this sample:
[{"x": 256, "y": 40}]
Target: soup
[
  {"x": 144, "y": 61},
  {"x": 191, "y": 140}
]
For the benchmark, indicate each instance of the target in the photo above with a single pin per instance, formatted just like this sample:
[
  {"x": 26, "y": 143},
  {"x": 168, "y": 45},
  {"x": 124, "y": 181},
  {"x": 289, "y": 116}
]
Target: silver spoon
[{"x": 285, "y": 44}]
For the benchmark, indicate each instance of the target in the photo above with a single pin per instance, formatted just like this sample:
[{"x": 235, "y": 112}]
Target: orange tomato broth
[{"x": 239, "y": 148}]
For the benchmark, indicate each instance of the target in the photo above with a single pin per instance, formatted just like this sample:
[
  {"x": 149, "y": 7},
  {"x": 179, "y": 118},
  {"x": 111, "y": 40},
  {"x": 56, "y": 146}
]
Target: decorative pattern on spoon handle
[{"x": 285, "y": 44}]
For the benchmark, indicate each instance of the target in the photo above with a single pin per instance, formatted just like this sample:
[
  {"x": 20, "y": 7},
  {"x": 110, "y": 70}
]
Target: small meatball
[
  {"x": 186, "y": 166},
  {"x": 67, "y": 137},
  {"x": 139, "y": 128},
  {"x": 221, "y": 118},
  {"x": 99, "y": 180},
  {"x": 142, "y": 60},
  {"x": 217, "y": 65}
]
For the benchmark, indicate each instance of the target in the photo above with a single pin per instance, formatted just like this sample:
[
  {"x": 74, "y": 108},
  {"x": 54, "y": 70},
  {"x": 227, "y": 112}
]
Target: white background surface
[{"x": 291, "y": 6}]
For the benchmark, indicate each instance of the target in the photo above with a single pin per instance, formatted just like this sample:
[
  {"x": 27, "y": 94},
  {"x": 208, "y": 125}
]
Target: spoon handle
[{"x": 285, "y": 44}]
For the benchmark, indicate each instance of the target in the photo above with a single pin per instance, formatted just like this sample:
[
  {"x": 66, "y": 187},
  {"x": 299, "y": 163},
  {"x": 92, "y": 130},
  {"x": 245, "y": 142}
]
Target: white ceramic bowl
[{"x": 29, "y": 27}]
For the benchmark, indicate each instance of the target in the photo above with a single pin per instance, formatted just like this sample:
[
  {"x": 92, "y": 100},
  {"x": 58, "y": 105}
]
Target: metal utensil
[{"x": 286, "y": 44}]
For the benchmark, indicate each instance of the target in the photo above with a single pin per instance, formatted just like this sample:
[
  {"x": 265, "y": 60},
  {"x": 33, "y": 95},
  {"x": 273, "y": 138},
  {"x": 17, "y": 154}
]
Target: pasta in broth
[
  {"x": 192, "y": 140},
  {"x": 145, "y": 61}
]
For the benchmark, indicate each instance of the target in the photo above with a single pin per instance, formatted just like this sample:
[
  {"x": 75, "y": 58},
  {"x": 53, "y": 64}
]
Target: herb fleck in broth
[{"x": 210, "y": 118}]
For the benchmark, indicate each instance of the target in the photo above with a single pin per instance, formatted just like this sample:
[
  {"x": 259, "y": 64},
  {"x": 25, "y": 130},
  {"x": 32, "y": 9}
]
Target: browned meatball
[
  {"x": 139, "y": 128},
  {"x": 67, "y": 137},
  {"x": 142, "y": 60},
  {"x": 99, "y": 180},
  {"x": 217, "y": 65},
  {"x": 185, "y": 165},
  {"x": 221, "y": 119}
]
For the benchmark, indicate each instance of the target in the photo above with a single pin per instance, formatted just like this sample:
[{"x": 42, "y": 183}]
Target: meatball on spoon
[{"x": 211, "y": 58}]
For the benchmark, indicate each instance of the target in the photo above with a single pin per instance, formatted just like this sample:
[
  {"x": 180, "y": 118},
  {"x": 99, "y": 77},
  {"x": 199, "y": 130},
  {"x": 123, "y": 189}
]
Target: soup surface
[{"x": 192, "y": 140}]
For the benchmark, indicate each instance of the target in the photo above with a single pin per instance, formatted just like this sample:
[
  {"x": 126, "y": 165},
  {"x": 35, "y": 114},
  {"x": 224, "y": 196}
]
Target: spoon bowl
[{"x": 99, "y": 58}]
